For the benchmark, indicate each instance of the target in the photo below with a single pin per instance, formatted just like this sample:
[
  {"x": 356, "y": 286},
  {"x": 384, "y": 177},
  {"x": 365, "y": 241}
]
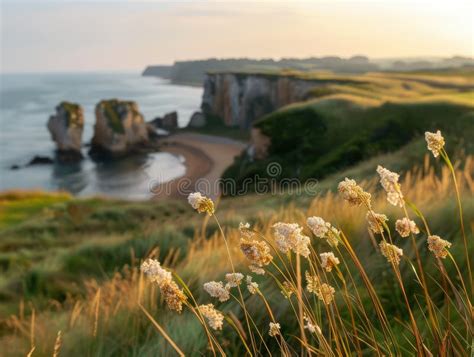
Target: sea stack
[
  {"x": 66, "y": 127},
  {"x": 119, "y": 128}
]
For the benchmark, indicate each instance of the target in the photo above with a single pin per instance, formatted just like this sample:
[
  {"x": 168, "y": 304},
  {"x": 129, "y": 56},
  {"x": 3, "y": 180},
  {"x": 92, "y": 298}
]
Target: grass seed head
[
  {"x": 391, "y": 252},
  {"x": 214, "y": 318},
  {"x": 353, "y": 193},
  {"x": 201, "y": 203},
  {"x": 376, "y": 221},
  {"x": 216, "y": 289},
  {"x": 328, "y": 261},
  {"x": 274, "y": 329},
  {"x": 289, "y": 236},
  {"x": 438, "y": 246},
  {"x": 233, "y": 280},
  {"x": 435, "y": 142},
  {"x": 406, "y": 226},
  {"x": 389, "y": 181}
]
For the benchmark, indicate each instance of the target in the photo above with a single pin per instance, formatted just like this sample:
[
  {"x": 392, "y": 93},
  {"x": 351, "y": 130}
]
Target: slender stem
[
  {"x": 300, "y": 300},
  {"x": 238, "y": 287},
  {"x": 445, "y": 156}
]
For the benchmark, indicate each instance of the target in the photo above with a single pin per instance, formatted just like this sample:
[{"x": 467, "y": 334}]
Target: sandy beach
[{"x": 205, "y": 157}]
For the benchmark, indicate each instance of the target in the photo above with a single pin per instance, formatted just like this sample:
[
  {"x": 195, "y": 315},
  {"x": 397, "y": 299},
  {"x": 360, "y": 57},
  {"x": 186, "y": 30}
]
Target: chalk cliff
[{"x": 240, "y": 98}]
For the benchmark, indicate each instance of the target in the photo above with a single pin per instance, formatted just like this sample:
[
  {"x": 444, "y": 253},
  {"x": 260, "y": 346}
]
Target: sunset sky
[{"x": 112, "y": 35}]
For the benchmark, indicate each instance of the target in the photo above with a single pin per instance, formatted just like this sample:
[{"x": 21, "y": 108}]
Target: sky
[{"x": 67, "y": 35}]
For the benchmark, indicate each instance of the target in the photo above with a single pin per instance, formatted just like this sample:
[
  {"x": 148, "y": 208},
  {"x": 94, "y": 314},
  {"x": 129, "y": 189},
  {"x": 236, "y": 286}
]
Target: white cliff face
[
  {"x": 240, "y": 99},
  {"x": 119, "y": 126},
  {"x": 66, "y": 126}
]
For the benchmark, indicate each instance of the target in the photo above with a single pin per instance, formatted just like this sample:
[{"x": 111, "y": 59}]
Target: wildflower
[
  {"x": 233, "y": 279},
  {"x": 333, "y": 236},
  {"x": 353, "y": 193},
  {"x": 391, "y": 252},
  {"x": 313, "y": 283},
  {"x": 435, "y": 142},
  {"x": 288, "y": 289},
  {"x": 389, "y": 181},
  {"x": 323, "y": 291},
  {"x": 438, "y": 246},
  {"x": 274, "y": 329},
  {"x": 376, "y": 221},
  {"x": 328, "y": 261},
  {"x": 257, "y": 252},
  {"x": 256, "y": 269},
  {"x": 155, "y": 273},
  {"x": 172, "y": 294},
  {"x": 322, "y": 229},
  {"x": 201, "y": 203},
  {"x": 216, "y": 289},
  {"x": 318, "y": 226},
  {"x": 405, "y": 226},
  {"x": 312, "y": 328},
  {"x": 289, "y": 236},
  {"x": 245, "y": 230},
  {"x": 214, "y": 318},
  {"x": 251, "y": 285}
]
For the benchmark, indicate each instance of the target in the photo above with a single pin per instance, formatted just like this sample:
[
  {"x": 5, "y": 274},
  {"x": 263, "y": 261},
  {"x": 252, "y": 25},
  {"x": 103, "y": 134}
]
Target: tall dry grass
[{"x": 423, "y": 306}]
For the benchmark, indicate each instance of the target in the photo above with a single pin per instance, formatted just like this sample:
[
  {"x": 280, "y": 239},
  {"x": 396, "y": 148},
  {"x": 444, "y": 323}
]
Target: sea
[{"x": 28, "y": 100}]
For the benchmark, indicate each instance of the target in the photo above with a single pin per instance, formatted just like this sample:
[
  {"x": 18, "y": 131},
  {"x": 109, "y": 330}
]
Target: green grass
[
  {"x": 98, "y": 237},
  {"x": 54, "y": 247},
  {"x": 16, "y": 207},
  {"x": 320, "y": 137},
  {"x": 72, "y": 110}
]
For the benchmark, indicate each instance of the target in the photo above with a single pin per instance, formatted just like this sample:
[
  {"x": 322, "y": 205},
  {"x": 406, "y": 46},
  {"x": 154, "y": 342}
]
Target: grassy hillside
[
  {"x": 346, "y": 123},
  {"x": 70, "y": 265},
  {"x": 71, "y": 283}
]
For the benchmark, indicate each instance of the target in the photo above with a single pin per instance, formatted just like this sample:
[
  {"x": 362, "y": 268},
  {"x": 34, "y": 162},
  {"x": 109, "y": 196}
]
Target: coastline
[{"x": 205, "y": 157}]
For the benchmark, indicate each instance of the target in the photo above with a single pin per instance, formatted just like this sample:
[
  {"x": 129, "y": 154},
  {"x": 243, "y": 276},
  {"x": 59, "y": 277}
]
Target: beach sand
[{"x": 205, "y": 157}]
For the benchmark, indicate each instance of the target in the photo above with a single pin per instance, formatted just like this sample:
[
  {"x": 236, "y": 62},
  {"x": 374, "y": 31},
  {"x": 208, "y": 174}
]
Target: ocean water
[{"x": 27, "y": 101}]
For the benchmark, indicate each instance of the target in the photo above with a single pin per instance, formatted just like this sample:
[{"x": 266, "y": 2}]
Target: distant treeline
[{"x": 192, "y": 72}]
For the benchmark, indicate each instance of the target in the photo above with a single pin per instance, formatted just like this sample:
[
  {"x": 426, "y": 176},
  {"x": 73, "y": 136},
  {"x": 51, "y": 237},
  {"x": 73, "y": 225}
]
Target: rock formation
[
  {"x": 240, "y": 98},
  {"x": 66, "y": 128},
  {"x": 168, "y": 122},
  {"x": 119, "y": 127},
  {"x": 198, "y": 120},
  {"x": 259, "y": 144}
]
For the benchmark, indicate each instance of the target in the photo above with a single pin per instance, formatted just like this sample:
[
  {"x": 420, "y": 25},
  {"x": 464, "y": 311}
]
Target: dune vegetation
[{"x": 357, "y": 269}]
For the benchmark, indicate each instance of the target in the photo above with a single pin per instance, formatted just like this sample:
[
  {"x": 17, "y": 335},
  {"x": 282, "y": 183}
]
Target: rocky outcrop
[
  {"x": 119, "y": 127},
  {"x": 66, "y": 127},
  {"x": 168, "y": 122},
  {"x": 198, "y": 120},
  {"x": 240, "y": 98},
  {"x": 259, "y": 144}
]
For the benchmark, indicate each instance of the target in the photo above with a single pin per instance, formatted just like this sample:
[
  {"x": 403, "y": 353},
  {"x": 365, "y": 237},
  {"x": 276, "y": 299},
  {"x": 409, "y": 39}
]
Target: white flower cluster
[
  {"x": 323, "y": 230},
  {"x": 216, "y": 289},
  {"x": 289, "y": 236},
  {"x": 405, "y": 226},
  {"x": 214, "y": 317},
  {"x": 435, "y": 142},
  {"x": 172, "y": 294},
  {"x": 389, "y": 181},
  {"x": 328, "y": 261}
]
